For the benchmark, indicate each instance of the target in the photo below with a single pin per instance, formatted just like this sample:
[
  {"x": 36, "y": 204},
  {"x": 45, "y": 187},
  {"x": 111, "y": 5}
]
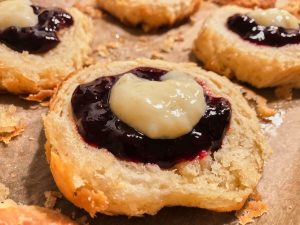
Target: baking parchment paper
[{"x": 24, "y": 169}]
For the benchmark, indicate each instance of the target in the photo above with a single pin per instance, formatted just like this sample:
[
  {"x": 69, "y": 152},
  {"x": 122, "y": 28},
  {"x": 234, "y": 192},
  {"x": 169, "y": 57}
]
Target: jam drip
[
  {"x": 274, "y": 36},
  {"x": 99, "y": 127},
  {"x": 41, "y": 37}
]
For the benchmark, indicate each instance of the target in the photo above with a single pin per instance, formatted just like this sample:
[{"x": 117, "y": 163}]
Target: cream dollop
[
  {"x": 275, "y": 17},
  {"x": 17, "y": 13},
  {"x": 164, "y": 109}
]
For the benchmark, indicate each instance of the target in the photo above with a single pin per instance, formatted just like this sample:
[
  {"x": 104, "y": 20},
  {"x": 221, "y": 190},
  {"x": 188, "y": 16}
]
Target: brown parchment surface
[{"x": 23, "y": 167}]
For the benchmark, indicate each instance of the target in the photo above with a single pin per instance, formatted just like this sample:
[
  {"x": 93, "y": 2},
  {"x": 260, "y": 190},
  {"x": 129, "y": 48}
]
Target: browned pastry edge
[
  {"x": 150, "y": 16},
  {"x": 32, "y": 215},
  {"x": 10, "y": 125},
  {"x": 248, "y": 3}
]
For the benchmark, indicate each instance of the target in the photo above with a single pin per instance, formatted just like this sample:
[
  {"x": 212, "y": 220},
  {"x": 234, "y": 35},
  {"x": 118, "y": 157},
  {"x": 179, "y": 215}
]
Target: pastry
[
  {"x": 10, "y": 123},
  {"x": 37, "y": 53},
  {"x": 255, "y": 46},
  {"x": 248, "y": 3},
  {"x": 11, "y": 214},
  {"x": 150, "y": 15},
  {"x": 114, "y": 151}
]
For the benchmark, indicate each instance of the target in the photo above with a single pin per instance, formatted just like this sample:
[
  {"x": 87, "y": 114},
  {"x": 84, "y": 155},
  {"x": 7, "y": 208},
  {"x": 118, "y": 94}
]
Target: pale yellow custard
[
  {"x": 164, "y": 109},
  {"x": 17, "y": 13},
  {"x": 274, "y": 17}
]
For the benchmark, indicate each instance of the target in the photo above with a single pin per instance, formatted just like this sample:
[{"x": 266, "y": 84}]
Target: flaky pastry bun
[
  {"x": 97, "y": 181},
  {"x": 226, "y": 53},
  {"x": 24, "y": 73},
  {"x": 149, "y": 14}
]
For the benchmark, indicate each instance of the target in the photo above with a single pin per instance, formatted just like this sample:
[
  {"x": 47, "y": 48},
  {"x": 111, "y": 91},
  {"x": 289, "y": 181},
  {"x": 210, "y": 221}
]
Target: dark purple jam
[
  {"x": 101, "y": 128},
  {"x": 274, "y": 36},
  {"x": 41, "y": 37}
]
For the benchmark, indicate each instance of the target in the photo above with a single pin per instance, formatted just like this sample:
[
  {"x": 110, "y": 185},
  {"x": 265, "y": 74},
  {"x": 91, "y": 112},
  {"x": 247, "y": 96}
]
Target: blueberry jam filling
[
  {"x": 274, "y": 36},
  {"x": 99, "y": 127},
  {"x": 41, "y": 37}
]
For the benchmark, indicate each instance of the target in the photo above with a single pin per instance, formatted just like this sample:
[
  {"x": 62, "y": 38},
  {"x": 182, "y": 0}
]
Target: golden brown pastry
[
  {"x": 10, "y": 123},
  {"x": 150, "y": 14},
  {"x": 26, "y": 72},
  {"x": 248, "y": 3},
  {"x": 31, "y": 215},
  {"x": 97, "y": 180},
  {"x": 266, "y": 57}
]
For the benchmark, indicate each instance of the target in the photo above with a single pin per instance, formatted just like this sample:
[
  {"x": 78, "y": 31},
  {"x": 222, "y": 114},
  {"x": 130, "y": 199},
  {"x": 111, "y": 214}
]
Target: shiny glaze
[
  {"x": 99, "y": 127},
  {"x": 40, "y": 38},
  {"x": 273, "y": 36}
]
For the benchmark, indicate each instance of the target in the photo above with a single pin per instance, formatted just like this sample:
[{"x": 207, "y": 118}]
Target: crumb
[
  {"x": 261, "y": 107},
  {"x": 102, "y": 51},
  {"x": 4, "y": 192},
  {"x": 284, "y": 92},
  {"x": 40, "y": 96},
  {"x": 253, "y": 208},
  {"x": 51, "y": 198},
  {"x": 112, "y": 45},
  {"x": 89, "y": 10},
  {"x": 179, "y": 37},
  {"x": 10, "y": 124},
  {"x": 106, "y": 50},
  {"x": 168, "y": 44},
  {"x": 156, "y": 55}
]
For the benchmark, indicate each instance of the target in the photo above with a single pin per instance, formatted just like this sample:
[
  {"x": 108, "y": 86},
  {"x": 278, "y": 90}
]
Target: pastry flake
[{"x": 10, "y": 125}]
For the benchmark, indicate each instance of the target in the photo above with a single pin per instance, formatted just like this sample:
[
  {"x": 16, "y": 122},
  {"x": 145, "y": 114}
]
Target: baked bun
[
  {"x": 149, "y": 14},
  {"x": 248, "y": 3},
  {"x": 31, "y": 215},
  {"x": 225, "y": 52},
  {"x": 24, "y": 73},
  {"x": 97, "y": 181}
]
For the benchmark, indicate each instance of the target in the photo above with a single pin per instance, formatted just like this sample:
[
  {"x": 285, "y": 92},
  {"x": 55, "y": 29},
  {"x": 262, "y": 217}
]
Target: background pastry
[
  {"x": 150, "y": 15},
  {"x": 139, "y": 179},
  {"x": 260, "y": 47},
  {"x": 35, "y": 57},
  {"x": 248, "y": 3},
  {"x": 11, "y": 214}
]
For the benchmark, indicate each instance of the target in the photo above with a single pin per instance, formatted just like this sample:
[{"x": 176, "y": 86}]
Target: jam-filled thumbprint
[
  {"x": 39, "y": 38},
  {"x": 248, "y": 29},
  {"x": 99, "y": 127}
]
